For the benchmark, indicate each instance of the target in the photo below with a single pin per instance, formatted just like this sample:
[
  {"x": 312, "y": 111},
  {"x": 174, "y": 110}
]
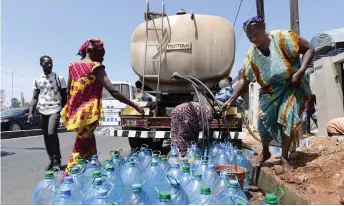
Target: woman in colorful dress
[
  {"x": 82, "y": 113},
  {"x": 186, "y": 123},
  {"x": 273, "y": 61}
]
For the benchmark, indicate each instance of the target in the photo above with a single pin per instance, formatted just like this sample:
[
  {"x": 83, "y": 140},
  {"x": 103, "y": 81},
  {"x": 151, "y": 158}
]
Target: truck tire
[{"x": 137, "y": 142}]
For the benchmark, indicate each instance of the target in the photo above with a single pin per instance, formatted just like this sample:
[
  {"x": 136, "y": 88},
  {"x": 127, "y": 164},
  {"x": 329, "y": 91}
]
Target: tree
[
  {"x": 15, "y": 103},
  {"x": 27, "y": 105},
  {"x": 3, "y": 95}
]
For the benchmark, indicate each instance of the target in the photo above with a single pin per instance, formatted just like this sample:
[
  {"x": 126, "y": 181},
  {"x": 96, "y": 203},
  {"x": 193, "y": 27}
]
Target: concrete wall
[{"x": 326, "y": 84}]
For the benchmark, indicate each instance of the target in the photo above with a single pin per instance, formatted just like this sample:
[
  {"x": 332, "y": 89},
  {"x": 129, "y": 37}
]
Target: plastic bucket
[{"x": 235, "y": 170}]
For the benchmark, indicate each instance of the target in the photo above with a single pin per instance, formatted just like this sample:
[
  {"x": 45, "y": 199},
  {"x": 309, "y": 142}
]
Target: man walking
[{"x": 49, "y": 96}]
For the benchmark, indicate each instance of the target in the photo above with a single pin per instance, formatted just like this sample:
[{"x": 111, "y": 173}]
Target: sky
[{"x": 32, "y": 28}]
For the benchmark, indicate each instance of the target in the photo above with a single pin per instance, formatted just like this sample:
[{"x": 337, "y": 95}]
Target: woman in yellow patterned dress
[{"x": 83, "y": 110}]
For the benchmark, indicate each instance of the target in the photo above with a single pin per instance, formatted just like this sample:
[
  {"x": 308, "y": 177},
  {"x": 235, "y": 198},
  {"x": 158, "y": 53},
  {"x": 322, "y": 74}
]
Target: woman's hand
[
  {"x": 226, "y": 105},
  {"x": 296, "y": 80}
]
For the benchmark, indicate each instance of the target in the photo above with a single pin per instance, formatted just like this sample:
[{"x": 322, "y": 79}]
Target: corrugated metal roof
[
  {"x": 331, "y": 53},
  {"x": 327, "y": 39}
]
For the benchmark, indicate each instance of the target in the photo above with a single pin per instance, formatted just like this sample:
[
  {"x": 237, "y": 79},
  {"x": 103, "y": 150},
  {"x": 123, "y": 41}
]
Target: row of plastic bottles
[{"x": 120, "y": 181}]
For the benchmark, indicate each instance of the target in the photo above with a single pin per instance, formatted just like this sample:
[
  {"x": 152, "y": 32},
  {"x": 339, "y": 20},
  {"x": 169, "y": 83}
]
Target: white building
[{"x": 326, "y": 76}]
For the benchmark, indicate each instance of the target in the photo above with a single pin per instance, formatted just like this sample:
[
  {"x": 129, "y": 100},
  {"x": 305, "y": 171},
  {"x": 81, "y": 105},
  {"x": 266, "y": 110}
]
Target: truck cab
[{"x": 112, "y": 107}]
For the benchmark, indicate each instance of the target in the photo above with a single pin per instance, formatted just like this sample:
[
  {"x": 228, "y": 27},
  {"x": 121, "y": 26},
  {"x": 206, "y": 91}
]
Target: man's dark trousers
[{"x": 50, "y": 124}]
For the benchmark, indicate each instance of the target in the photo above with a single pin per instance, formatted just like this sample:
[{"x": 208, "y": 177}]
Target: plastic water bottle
[
  {"x": 164, "y": 165},
  {"x": 75, "y": 187},
  {"x": 137, "y": 196},
  {"x": 91, "y": 167},
  {"x": 221, "y": 157},
  {"x": 203, "y": 168},
  {"x": 193, "y": 188},
  {"x": 117, "y": 161},
  {"x": 175, "y": 172},
  {"x": 222, "y": 183},
  {"x": 211, "y": 177},
  {"x": 156, "y": 156},
  {"x": 114, "y": 178},
  {"x": 165, "y": 199},
  {"x": 241, "y": 160},
  {"x": 65, "y": 198},
  {"x": 143, "y": 158},
  {"x": 81, "y": 165},
  {"x": 132, "y": 151},
  {"x": 44, "y": 189},
  {"x": 131, "y": 175},
  {"x": 88, "y": 181},
  {"x": 186, "y": 176},
  {"x": 174, "y": 152},
  {"x": 97, "y": 184},
  {"x": 108, "y": 163},
  {"x": 195, "y": 164},
  {"x": 232, "y": 194},
  {"x": 101, "y": 198},
  {"x": 178, "y": 194},
  {"x": 115, "y": 154},
  {"x": 154, "y": 178},
  {"x": 192, "y": 152},
  {"x": 230, "y": 152},
  {"x": 272, "y": 198},
  {"x": 94, "y": 159},
  {"x": 173, "y": 159},
  {"x": 205, "y": 198},
  {"x": 77, "y": 177}
]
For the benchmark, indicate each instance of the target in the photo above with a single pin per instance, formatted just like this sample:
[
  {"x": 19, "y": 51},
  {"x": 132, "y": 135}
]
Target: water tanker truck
[{"x": 202, "y": 46}]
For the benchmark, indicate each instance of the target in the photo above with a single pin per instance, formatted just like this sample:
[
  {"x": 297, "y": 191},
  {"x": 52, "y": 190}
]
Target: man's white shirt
[{"x": 49, "y": 99}]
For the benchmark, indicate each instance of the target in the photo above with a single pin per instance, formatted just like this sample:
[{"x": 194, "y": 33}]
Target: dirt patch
[{"x": 319, "y": 171}]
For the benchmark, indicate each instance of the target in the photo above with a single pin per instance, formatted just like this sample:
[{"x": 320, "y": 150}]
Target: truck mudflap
[{"x": 167, "y": 134}]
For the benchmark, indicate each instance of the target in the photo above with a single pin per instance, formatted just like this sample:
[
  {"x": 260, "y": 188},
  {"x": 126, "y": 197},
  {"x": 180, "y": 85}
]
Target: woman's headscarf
[
  {"x": 253, "y": 23},
  {"x": 90, "y": 43}
]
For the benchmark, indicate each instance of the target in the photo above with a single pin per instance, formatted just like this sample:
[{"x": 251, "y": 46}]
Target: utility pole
[
  {"x": 12, "y": 83},
  {"x": 260, "y": 8},
  {"x": 294, "y": 16}
]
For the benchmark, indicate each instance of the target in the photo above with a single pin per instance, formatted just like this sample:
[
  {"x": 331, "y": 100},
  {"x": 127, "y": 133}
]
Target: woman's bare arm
[
  {"x": 308, "y": 52},
  {"x": 241, "y": 86},
  {"x": 105, "y": 81}
]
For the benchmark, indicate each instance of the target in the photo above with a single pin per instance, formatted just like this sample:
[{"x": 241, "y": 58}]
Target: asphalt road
[{"x": 23, "y": 161}]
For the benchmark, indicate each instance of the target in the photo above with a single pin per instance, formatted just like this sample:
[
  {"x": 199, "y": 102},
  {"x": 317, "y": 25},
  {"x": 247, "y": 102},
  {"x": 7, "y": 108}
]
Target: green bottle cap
[
  {"x": 96, "y": 174},
  {"x": 75, "y": 170},
  {"x": 205, "y": 190},
  {"x": 164, "y": 196},
  {"x": 271, "y": 198},
  {"x": 49, "y": 175}
]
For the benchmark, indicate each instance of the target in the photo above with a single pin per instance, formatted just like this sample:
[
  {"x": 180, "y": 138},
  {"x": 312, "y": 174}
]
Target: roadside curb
[
  {"x": 26, "y": 133},
  {"x": 269, "y": 184}
]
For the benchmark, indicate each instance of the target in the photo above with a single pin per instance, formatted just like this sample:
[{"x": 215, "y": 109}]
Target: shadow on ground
[
  {"x": 4, "y": 153},
  {"x": 26, "y": 148}
]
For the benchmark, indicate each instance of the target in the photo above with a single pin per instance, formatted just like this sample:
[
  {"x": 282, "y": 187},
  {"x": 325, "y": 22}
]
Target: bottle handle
[
  {"x": 156, "y": 151},
  {"x": 144, "y": 146},
  {"x": 205, "y": 158},
  {"x": 169, "y": 179},
  {"x": 233, "y": 175},
  {"x": 281, "y": 192},
  {"x": 193, "y": 143},
  {"x": 55, "y": 189}
]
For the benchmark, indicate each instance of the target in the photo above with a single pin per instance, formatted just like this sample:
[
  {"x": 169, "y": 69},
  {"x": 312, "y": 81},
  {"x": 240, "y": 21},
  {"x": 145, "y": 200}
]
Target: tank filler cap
[{"x": 181, "y": 12}]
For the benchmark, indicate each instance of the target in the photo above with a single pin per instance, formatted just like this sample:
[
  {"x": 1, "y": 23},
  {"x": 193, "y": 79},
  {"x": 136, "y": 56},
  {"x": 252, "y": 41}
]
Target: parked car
[{"x": 16, "y": 119}]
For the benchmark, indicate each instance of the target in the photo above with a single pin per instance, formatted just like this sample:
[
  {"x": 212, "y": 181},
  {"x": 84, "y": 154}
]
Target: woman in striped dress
[{"x": 273, "y": 62}]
